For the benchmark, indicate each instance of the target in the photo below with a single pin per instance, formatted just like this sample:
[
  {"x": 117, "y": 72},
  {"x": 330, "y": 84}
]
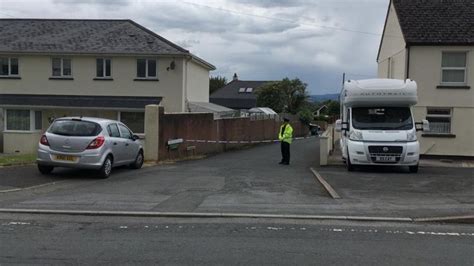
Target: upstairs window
[
  {"x": 249, "y": 90},
  {"x": 241, "y": 90},
  {"x": 453, "y": 68},
  {"x": 61, "y": 67},
  {"x": 440, "y": 120},
  {"x": 103, "y": 68},
  {"x": 146, "y": 68},
  {"x": 8, "y": 66}
]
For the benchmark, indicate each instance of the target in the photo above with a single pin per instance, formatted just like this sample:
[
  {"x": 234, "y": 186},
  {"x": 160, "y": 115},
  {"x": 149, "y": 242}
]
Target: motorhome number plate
[{"x": 385, "y": 158}]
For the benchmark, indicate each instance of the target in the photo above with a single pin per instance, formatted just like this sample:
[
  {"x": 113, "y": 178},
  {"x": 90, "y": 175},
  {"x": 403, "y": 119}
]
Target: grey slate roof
[
  {"x": 230, "y": 97},
  {"x": 82, "y": 36},
  {"x": 77, "y": 101},
  {"x": 436, "y": 22}
]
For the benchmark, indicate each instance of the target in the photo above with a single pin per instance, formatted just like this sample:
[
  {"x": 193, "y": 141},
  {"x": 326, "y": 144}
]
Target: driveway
[{"x": 252, "y": 181}]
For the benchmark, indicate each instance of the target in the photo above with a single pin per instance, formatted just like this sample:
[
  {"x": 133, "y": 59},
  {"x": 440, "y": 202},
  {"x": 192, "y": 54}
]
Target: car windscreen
[
  {"x": 75, "y": 128},
  {"x": 383, "y": 118}
]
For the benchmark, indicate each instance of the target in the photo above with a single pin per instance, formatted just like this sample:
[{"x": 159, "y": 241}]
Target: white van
[{"x": 377, "y": 126}]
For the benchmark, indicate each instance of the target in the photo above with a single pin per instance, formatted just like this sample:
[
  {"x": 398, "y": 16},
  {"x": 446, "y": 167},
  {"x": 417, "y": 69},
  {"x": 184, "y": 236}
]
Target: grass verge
[{"x": 17, "y": 159}]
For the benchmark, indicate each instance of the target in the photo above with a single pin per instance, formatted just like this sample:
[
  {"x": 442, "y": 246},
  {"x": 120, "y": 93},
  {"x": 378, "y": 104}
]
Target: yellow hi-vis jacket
[{"x": 287, "y": 135}]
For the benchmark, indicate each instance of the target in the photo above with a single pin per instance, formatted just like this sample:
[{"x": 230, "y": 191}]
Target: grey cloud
[
  {"x": 94, "y": 2},
  {"x": 202, "y": 19},
  {"x": 273, "y": 3}
]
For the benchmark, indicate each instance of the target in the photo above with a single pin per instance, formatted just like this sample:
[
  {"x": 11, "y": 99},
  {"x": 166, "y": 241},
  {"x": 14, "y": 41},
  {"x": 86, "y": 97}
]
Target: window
[
  {"x": 18, "y": 120},
  {"x": 241, "y": 90},
  {"x": 124, "y": 132},
  {"x": 8, "y": 66},
  {"x": 61, "y": 67},
  {"x": 23, "y": 120},
  {"x": 103, "y": 68},
  {"x": 249, "y": 90},
  {"x": 440, "y": 120},
  {"x": 134, "y": 120},
  {"x": 453, "y": 67},
  {"x": 67, "y": 127},
  {"x": 382, "y": 118},
  {"x": 113, "y": 131},
  {"x": 146, "y": 68},
  {"x": 38, "y": 120}
]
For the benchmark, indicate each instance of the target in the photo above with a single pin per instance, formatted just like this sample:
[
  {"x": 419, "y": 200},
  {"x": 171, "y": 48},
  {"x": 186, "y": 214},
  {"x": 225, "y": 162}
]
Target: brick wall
[{"x": 200, "y": 126}]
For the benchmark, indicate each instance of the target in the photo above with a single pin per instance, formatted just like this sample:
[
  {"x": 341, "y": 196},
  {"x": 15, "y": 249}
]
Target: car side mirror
[{"x": 135, "y": 137}]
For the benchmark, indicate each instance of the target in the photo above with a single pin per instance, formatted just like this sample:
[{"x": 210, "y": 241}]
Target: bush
[{"x": 305, "y": 116}]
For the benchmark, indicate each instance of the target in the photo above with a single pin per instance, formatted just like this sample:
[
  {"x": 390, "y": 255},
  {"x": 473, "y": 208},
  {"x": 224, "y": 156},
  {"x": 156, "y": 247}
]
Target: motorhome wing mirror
[
  {"x": 345, "y": 126},
  {"x": 424, "y": 125},
  {"x": 338, "y": 125}
]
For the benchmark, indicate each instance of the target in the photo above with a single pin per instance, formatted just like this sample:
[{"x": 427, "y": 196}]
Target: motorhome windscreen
[{"x": 382, "y": 118}]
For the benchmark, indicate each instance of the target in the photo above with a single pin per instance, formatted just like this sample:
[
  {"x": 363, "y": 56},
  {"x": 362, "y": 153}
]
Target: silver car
[{"x": 90, "y": 143}]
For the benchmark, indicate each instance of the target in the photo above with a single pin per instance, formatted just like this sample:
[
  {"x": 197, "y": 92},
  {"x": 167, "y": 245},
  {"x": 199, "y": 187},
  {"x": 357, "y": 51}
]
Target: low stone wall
[{"x": 21, "y": 142}]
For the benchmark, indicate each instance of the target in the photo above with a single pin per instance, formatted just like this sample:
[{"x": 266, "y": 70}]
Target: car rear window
[{"x": 75, "y": 128}]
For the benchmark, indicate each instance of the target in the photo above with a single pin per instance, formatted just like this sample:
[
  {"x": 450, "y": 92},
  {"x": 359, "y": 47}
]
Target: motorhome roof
[{"x": 379, "y": 92}]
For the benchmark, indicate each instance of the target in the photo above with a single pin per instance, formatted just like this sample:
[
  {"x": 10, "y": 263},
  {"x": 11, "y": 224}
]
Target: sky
[{"x": 313, "y": 40}]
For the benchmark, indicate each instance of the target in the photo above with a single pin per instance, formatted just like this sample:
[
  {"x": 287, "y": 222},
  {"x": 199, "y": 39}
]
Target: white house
[
  {"x": 105, "y": 68},
  {"x": 432, "y": 42}
]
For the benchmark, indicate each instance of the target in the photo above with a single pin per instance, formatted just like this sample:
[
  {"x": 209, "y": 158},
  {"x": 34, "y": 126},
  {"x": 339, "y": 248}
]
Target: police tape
[{"x": 241, "y": 141}]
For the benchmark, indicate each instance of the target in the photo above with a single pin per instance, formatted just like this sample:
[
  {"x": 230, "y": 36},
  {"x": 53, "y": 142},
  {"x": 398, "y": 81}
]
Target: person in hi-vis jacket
[{"x": 285, "y": 136}]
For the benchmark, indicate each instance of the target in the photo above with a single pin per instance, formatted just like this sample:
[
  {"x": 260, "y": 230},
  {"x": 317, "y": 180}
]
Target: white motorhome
[{"x": 377, "y": 126}]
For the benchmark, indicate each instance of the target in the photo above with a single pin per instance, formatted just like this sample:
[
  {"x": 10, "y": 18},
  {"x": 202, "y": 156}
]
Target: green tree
[
  {"x": 216, "y": 83},
  {"x": 295, "y": 94},
  {"x": 283, "y": 96},
  {"x": 270, "y": 95},
  {"x": 333, "y": 108}
]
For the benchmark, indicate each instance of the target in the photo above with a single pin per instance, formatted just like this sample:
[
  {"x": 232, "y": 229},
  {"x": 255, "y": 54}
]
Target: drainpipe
[
  {"x": 185, "y": 83},
  {"x": 407, "y": 74}
]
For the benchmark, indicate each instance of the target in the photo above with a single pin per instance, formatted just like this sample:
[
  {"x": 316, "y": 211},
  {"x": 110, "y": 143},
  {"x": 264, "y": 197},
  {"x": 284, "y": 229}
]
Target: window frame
[
  {"x": 32, "y": 119},
  {"x": 104, "y": 69},
  {"x": 9, "y": 74},
  {"x": 450, "y": 116},
  {"x": 147, "y": 77},
  {"x": 61, "y": 68},
  {"x": 465, "y": 69}
]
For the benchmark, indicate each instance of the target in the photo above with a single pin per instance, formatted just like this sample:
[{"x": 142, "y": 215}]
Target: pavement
[
  {"x": 247, "y": 181},
  {"x": 51, "y": 240}
]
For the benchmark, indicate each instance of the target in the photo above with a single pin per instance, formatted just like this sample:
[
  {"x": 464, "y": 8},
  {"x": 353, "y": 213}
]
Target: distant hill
[{"x": 324, "y": 97}]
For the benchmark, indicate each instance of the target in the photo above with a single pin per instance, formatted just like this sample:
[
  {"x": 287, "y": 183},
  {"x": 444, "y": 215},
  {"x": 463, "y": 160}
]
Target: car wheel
[
  {"x": 106, "y": 168},
  {"x": 137, "y": 164},
  {"x": 45, "y": 169},
  {"x": 413, "y": 169},
  {"x": 349, "y": 165}
]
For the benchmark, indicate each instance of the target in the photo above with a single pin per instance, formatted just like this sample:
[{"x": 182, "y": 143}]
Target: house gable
[{"x": 392, "y": 53}]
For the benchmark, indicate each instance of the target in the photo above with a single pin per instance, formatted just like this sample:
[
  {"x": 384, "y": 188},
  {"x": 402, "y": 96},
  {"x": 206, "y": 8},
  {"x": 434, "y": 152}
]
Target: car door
[
  {"x": 116, "y": 143},
  {"x": 130, "y": 146}
]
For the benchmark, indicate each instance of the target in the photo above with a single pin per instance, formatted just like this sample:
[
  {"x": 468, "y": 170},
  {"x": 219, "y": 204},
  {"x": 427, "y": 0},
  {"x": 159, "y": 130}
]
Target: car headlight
[
  {"x": 356, "y": 135},
  {"x": 411, "y": 136}
]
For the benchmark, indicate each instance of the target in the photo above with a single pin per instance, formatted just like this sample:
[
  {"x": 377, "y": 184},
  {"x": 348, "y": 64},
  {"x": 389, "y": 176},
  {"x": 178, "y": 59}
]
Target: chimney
[{"x": 235, "y": 77}]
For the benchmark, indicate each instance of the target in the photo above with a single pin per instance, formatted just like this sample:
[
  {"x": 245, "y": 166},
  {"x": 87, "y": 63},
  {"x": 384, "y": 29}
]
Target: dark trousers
[{"x": 285, "y": 152}]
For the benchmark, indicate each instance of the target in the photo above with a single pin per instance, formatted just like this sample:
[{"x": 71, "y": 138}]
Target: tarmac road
[
  {"x": 248, "y": 181},
  {"x": 56, "y": 239}
]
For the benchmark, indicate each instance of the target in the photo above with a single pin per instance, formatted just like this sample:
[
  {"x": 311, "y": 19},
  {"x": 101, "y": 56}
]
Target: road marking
[
  {"x": 32, "y": 187},
  {"x": 325, "y": 184}
]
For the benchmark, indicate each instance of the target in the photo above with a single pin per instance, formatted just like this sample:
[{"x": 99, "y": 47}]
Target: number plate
[
  {"x": 385, "y": 159},
  {"x": 66, "y": 158}
]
